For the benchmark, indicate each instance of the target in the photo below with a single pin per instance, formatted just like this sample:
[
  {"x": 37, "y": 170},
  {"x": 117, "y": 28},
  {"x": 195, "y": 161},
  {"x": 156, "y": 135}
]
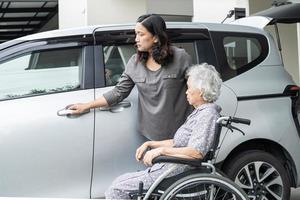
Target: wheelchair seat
[
  {"x": 167, "y": 182},
  {"x": 170, "y": 180}
]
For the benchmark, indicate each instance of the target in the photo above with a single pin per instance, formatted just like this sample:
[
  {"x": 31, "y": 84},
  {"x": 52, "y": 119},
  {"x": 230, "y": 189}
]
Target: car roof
[{"x": 88, "y": 30}]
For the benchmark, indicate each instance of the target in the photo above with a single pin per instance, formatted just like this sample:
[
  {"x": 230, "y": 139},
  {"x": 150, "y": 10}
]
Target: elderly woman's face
[
  {"x": 193, "y": 94},
  {"x": 143, "y": 38}
]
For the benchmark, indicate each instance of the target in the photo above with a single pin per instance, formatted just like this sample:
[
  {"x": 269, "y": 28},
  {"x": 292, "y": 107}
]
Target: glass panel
[
  {"x": 241, "y": 50},
  {"x": 40, "y": 73},
  {"x": 189, "y": 48},
  {"x": 116, "y": 58}
]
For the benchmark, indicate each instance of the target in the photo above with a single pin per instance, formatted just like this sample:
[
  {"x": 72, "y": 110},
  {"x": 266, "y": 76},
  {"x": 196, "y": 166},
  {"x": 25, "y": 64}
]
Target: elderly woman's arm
[
  {"x": 152, "y": 145},
  {"x": 180, "y": 152},
  {"x": 198, "y": 145}
]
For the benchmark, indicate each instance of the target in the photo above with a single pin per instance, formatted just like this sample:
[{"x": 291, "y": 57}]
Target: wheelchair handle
[
  {"x": 230, "y": 119},
  {"x": 241, "y": 120}
]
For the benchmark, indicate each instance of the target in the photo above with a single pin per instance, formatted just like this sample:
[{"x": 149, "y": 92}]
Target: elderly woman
[{"x": 192, "y": 140}]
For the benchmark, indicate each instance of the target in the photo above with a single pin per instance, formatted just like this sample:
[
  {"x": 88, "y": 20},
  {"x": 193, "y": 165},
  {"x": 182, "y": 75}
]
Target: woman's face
[
  {"x": 144, "y": 39},
  {"x": 193, "y": 95}
]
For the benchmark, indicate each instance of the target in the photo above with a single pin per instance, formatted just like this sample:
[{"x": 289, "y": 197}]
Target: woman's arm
[
  {"x": 152, "y": 145},
  {"x": 82, "y": 107},
  {"x": 181, "y": 152},
  {"x": 163, "y": 143},
  {"x": 112, "y": 97}
]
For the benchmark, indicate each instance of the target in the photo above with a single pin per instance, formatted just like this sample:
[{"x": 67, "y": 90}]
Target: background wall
[
  {"x": 215, "y": 10},
  {"x": 182, "y": 9},
  {"x": 114, "y": 11},
  {"x": 51, "y": 25},
  {"x": 92, "y": 12},
  {"x": 72, "y": 13}
]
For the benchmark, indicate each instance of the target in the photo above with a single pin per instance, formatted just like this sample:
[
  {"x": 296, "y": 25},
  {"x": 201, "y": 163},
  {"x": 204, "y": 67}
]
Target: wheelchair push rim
[{"x": 204, "y": 187}]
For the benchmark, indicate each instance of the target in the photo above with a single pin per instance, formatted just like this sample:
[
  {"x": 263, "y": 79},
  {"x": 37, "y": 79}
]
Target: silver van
[{"x": 46, "y": 154}]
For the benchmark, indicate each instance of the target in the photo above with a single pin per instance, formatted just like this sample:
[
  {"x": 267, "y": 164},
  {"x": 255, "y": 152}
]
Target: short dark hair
[{"x": 161, "y": 51}]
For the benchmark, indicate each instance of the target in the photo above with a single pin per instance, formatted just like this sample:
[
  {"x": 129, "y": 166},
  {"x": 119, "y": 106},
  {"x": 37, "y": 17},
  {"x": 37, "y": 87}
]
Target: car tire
[{"x": 260, "y": 174}]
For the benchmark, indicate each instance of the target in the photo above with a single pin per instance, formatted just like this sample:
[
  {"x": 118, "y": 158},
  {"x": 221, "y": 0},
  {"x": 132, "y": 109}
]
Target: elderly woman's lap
[{"x": 127, "y": 183}]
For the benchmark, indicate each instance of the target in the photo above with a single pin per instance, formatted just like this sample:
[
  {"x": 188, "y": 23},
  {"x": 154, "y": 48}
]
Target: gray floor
[{"x": 295, "y": 195}]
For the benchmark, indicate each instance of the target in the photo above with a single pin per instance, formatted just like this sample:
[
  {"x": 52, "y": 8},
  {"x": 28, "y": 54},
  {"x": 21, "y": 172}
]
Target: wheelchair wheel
[{"x": 204, "y": 187}]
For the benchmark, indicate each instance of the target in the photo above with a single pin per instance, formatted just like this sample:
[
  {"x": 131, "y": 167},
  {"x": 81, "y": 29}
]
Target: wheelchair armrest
[{"x": 176, "y": 160}]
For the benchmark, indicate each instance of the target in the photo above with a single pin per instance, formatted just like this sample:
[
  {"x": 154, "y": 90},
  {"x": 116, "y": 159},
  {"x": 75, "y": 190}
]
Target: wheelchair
[{"x": 202, "y": 182}]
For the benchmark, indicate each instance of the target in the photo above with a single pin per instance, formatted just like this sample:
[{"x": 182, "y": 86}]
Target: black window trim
[
  {"x": 99, "y": 66},
  {"x": 127, "y": 36},
  {"x": 227, "y": 72},
  {"x": 215, "y": 62}
]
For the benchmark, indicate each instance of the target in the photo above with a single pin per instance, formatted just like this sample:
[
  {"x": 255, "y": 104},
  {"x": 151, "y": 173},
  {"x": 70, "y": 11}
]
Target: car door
[
  {"x": 43, "y": 154},
  {"x": 116, "y": 136}
]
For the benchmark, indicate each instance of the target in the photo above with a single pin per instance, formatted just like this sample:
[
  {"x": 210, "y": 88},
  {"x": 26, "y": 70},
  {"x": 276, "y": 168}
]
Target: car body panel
[
  {"x": 282, "y": 131},
  {"x": 43, "y": 154},
  {"x": 254, "y": 21},
  {"x": 254, "y": 81},
  {"x": 116, "y": 140}
]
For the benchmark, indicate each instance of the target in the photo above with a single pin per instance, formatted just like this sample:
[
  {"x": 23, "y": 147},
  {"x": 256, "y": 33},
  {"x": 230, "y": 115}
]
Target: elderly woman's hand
[
  {"x": 141, "y": 150},
  {"x": 150, "y": 155}
]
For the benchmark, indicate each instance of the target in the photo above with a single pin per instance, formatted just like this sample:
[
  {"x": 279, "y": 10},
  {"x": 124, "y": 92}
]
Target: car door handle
[
  {"x": 67, "y": 112},
  {"x": 64, "y": 112},
  {"x": 117, "y": 108}
]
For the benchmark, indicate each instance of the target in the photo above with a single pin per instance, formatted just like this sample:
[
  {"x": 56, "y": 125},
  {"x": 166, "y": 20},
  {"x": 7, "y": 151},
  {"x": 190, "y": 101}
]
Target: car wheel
[{"x": 260, "y": 175}]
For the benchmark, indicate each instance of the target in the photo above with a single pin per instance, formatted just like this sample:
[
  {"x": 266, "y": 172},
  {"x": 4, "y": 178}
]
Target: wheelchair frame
[{"x": 205, "y": 162}]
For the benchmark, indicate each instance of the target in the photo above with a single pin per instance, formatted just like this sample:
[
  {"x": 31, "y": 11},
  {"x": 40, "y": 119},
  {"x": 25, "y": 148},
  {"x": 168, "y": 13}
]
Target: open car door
[{"x": 289, "y": 13}]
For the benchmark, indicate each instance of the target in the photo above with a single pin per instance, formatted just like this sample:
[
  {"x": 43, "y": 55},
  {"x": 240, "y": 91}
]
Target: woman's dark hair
[{"x": 161, "y": 51}]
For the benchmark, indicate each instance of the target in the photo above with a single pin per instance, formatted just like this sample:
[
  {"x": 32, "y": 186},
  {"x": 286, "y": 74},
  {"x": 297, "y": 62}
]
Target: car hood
[{"x": 289, "y": 13}]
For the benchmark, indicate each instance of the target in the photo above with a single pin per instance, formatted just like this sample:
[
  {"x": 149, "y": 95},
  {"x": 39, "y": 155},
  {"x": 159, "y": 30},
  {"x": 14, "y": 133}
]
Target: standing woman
[{"x": 158, "y": 71}]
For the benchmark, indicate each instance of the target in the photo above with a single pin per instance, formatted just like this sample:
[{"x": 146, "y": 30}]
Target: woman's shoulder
[
  {"x": 133, "y": 58},
  {"x": 179, "y": 51},
  {"x": 132, "y": 62},
  {"x": 180, "y": 55},
  {"x": 134, "y": 68}
]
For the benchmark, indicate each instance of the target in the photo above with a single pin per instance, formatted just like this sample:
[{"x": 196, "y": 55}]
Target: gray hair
[{"x": 206, "y": 78}]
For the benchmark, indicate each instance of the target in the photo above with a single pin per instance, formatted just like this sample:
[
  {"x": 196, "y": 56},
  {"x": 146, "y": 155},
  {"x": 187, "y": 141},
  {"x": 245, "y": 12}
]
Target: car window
[
  {"x": 189, "y": 48},
  {"x": 206, "y": 53},
  {"x": 238, "y": 52},
  {"x": 241, "y": 50},
  {"x": 40, "y": 72},
  {"x": 117, "y": 56},
  {"x": 115, "y": 59}
]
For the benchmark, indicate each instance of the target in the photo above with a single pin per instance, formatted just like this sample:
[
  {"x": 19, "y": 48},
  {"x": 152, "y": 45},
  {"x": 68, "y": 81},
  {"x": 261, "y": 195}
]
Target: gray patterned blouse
[{"x": 197, "y": 132}]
